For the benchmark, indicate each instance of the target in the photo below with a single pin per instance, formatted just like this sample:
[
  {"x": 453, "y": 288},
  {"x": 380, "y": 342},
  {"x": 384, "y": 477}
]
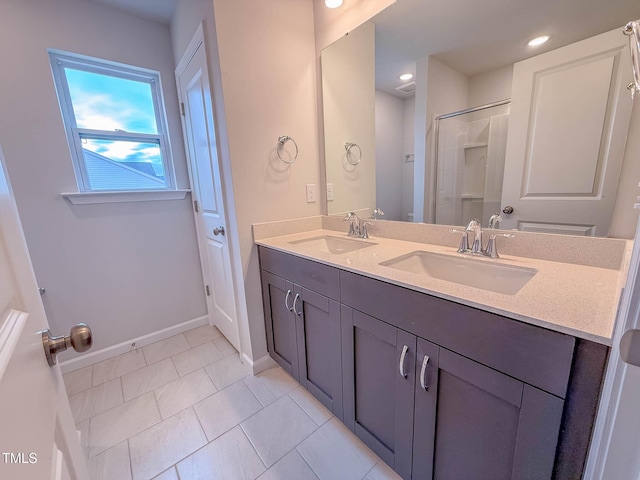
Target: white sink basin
[
  {"x": 329, "y": 244},
  {"x": 485, "y": 274}
]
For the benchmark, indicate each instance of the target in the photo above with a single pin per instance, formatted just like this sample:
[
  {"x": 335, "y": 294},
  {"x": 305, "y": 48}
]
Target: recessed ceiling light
[
  {"x": 333, "y": 3},
  {"x": 405, "y": 76},
  {"x": 538, "y": 41}
]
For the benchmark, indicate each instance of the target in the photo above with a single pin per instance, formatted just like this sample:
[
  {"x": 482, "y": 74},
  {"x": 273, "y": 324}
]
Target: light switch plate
[
  {"x": 311, "y": 192},
  {"x": 329, "y": 192}
]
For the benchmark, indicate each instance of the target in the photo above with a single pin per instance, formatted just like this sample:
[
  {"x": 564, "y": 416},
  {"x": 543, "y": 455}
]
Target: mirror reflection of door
[{"x": 568, "y": 129}]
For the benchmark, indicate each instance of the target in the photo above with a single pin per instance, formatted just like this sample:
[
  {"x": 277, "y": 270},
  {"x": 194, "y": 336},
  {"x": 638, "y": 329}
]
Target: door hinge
[
  {"x": 195, "y": 205},
  {"x": 182, "y": 108},
  {"x": 206, "y": 288}
]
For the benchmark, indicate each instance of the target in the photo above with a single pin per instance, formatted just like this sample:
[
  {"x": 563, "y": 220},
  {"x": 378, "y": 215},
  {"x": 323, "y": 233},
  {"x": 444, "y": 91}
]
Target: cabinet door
[
  {"x": 475, "y": 423},
  {"x": 378, "y": 398},
  {"x": 319, "y": 353},
  {"x": 277, "y": 297}
]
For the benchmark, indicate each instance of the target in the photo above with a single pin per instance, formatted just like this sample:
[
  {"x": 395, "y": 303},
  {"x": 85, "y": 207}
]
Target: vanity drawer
[
  {"x": 315, "y": 276},
  {"x": 532, "y": 354}
]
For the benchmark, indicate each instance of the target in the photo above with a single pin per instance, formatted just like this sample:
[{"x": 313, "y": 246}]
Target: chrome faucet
[
  {"x": 475, "y": 227},
  {"x": 364, "y": 233},
  {"x": 492, "y": 250},
  {"x": 354, "y": 224},
  {"x": 477, "y": 248},
  {"x": 494, "y": 220},
  {"x": 357, "y": 225},
  {"x": 376, "y": 213},
  {"x": 464, "y": 241}
]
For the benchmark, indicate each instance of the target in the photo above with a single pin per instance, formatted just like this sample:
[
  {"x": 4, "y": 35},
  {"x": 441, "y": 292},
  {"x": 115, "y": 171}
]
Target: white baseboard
[
  {"x": 124, "y": 347},
  {"x": 259, "y": 365}
]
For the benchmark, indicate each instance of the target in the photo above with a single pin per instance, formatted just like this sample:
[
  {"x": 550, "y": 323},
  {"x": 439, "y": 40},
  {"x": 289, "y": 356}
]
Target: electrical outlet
[
  {"x": 329, "y": 192},
  {"x": 311, "y": 192}
]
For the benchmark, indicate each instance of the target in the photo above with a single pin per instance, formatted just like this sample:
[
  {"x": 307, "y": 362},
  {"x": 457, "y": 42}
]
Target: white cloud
[
  {"x": 123, "y": 150},
  {"x": 105, "y": 112}
]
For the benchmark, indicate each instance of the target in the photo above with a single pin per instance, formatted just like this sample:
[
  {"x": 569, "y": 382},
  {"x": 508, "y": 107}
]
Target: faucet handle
[
  {"x": 377, "y": 213},
  {"x": 492, "y": 250},
  {"x": 495, "y": 218},
  {"x": 354, "y": 224},
  {"x": 464, "y": 241},
  {"x": 364, "y": 233},
  {"x": 473, "y": 224},
  {"x": 505, "y": 235}
]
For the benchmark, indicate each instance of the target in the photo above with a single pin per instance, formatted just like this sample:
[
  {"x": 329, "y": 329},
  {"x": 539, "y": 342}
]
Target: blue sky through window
[{"x": 103, "y": 102}]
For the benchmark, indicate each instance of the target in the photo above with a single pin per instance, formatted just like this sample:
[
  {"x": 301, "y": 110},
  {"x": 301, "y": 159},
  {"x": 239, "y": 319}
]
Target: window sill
[{"x": 85, "y": 198}]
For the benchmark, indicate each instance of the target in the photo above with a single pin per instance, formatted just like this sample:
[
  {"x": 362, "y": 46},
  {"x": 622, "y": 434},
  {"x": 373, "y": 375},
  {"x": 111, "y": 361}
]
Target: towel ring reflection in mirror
[
  {"x": 281, "y": 141},
  {"x": 348, "y": 146}
]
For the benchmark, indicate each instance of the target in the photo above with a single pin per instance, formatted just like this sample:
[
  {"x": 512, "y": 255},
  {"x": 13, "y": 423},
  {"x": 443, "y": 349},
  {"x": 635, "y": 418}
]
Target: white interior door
[
  {"x": 570, "y": 114},
  {"x": 615, "y": 446},
  {"x": 38, "y": 440},
  {"x": 200, "y": 138}
]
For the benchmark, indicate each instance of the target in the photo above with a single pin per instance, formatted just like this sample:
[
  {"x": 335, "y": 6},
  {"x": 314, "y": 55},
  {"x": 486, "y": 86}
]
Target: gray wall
[{"x": 127, "y": 269}]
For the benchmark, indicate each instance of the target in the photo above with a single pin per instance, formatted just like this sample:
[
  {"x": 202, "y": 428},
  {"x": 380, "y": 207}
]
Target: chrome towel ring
[
  {"x": 348, "y": 146},
  {"x": 281, "y": 141}
]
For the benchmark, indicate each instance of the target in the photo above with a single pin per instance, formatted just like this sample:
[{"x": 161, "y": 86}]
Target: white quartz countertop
[{"x": 574, "y": 299}]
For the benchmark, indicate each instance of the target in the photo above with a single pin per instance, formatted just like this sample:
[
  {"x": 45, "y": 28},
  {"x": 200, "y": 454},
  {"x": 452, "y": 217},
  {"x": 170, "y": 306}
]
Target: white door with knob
[
  {"x": 200, "y": 139},
  {"x": 570, "y": 113},
  {"x": 38, "y": 439}
]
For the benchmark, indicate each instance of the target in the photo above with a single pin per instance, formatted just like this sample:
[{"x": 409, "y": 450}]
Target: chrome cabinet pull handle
[
  {"x": 423, "y": 373},
  {"x": 295, "y": 300},
  {"x": 286, "y": 301},
  {"x": 405, "y": 349}
]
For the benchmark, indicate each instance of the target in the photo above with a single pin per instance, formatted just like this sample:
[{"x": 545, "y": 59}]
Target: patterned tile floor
[{"x": 186, "y": 408}]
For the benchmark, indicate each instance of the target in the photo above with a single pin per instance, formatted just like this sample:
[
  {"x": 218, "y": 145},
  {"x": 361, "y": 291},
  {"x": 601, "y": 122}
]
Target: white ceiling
[
  {"x": 475, "y": 36},
  {"x": 471, "y": 36},
  {"x": 158, "y": 10}
]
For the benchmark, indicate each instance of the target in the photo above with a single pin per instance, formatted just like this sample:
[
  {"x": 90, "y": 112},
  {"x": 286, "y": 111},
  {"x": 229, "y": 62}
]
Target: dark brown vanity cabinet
[
  {"x": 437, "y": 389},
  {"x": 303, "y": 325},
  {"x": 318, "y": 340},
  {"x": 378, "y": 383},
  {"x": 280, "y": 322},
  {"x": 430, "y": 413},
  {"x": 472, "y": 422}
]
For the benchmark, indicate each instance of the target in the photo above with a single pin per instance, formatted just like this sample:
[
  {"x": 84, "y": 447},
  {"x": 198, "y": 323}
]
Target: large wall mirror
[{"x": 486, "y": 123}]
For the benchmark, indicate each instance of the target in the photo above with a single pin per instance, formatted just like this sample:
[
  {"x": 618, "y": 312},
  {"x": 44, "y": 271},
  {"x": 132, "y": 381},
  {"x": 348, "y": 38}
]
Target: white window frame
[{"x": 59, "y": 60}]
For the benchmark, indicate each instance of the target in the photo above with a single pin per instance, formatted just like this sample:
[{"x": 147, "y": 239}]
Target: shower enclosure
[{"x": 470, "y": 153}]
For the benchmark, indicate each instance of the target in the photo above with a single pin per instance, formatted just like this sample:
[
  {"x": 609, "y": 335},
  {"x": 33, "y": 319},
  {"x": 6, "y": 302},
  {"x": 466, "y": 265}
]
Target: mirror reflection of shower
[{"x": 470, "y": 153}]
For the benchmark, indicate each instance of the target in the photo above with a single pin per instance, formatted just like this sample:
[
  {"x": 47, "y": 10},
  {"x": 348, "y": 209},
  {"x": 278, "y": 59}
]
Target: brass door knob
[{"x": 79, "y": 338}]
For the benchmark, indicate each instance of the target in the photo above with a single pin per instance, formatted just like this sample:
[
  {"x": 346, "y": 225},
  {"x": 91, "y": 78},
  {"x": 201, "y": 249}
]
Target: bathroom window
[{"x": 115, "y": 123}]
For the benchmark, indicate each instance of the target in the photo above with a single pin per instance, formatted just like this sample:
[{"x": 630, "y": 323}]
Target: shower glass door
[{"x": 470, "y": 152}]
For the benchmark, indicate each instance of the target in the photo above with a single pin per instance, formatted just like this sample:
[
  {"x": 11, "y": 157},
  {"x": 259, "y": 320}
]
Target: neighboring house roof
[
  {"x": 107, "y": 174},
  {"x": 144, "y": 167}
]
